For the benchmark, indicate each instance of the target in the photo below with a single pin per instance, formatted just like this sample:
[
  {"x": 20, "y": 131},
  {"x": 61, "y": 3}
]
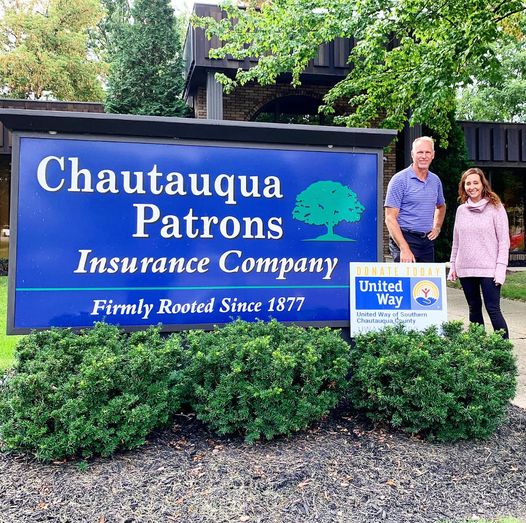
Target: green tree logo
[{"x": 327, "y": 203}]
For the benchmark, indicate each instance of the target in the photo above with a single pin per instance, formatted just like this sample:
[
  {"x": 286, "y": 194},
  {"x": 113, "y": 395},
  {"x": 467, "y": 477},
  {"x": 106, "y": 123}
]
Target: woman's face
[{"x": 473, "y": 187}]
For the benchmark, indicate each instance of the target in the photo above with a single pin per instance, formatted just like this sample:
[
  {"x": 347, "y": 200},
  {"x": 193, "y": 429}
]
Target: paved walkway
[{"x": 515, "y": 315}]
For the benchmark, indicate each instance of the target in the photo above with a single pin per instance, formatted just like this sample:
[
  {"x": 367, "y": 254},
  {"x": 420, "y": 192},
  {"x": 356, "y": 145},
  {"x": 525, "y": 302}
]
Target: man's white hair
[{"x": 423, "y": 139}]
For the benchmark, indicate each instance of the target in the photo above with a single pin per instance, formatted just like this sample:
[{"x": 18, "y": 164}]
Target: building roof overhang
[{"x": 192, "y": 129}]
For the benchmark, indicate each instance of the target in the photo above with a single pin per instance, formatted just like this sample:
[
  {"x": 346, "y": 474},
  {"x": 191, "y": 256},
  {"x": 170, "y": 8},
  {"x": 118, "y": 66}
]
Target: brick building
[{"x": 498, "y": 148}]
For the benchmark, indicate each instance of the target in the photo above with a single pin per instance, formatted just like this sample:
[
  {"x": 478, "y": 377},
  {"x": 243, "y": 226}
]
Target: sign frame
[{"x": 197, "y": 140}]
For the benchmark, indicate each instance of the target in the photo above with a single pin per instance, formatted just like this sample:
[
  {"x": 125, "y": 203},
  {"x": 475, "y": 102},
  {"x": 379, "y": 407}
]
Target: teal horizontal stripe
[{"x": 68, "y": 289}]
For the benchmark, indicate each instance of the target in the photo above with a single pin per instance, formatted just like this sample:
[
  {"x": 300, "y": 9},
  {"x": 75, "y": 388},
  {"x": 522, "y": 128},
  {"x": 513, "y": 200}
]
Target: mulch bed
[{"x": 342, "y": 470}]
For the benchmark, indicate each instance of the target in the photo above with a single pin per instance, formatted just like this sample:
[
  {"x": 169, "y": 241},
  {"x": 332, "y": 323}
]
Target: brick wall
[
  {"x": 245, "y": 102},
  {"x": 40, "y": 105},
  {"x": 389, "y": 171},
  {"x": 200, "y": 103}
]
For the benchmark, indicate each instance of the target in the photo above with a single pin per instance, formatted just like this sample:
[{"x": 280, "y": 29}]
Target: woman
[{"x": 481, "y": 243}]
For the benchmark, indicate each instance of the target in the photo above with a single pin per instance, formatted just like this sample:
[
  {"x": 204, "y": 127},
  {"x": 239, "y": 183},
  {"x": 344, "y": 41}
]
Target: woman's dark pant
[{"x": 491, "y": 293}]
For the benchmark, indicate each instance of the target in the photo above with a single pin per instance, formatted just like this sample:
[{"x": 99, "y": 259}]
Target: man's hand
[
  {"x": 391, "y": 221},
  {"x": 407, "y": 256},
  {"x": 433, "y": 234}
]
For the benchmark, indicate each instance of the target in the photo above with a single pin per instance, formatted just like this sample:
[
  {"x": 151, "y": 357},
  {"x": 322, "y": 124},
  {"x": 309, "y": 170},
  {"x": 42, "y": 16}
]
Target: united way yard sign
[
  {"x": 188, "y": 233},
  {"x": 382, "y": 294}
]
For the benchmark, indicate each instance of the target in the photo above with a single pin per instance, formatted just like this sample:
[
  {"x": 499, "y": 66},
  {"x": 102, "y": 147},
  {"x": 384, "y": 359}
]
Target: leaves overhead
[
  {"x": 44, "y": 49},
  {"x": 410, "y": 56},
  {"x": 502, "y": 98}
]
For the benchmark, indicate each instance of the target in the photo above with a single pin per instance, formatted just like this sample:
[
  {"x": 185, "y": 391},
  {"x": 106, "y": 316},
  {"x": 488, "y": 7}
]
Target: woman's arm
[
  {"x": 452, "y": 276},
  {"x": 502, "y": 231}
]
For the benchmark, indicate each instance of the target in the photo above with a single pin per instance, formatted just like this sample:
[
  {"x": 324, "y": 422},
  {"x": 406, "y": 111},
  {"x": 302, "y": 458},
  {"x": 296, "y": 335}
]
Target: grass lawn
[
  {"x": 7, "y": 343},
  {"x": 514, "y": 288}
]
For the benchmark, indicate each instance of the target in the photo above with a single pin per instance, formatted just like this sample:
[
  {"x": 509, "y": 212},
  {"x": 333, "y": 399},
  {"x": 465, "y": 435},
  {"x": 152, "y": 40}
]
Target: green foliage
[
  {"x": 4, "y": 266},
  {"x": 450, "y": 387},
  {"x": 327, "y": 203},
  {"x": 44, "y": 49},
  {"x": 89, "y": 393},
  {"x": 502, "y": 98},
  {"x": 515, "y": 286},
  {"x": 265, "y": 379},
  {"x": 79, "y": 395},
  {"x": 410, "y": 56},
  {"x": 146, "y": 72},
  {"x": 116, "y": 19},
  {"x": 449, "y": 163}
]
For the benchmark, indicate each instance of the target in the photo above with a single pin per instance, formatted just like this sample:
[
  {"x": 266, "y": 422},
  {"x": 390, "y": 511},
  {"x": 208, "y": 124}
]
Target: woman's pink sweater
[{"x": 481, "y": 241}]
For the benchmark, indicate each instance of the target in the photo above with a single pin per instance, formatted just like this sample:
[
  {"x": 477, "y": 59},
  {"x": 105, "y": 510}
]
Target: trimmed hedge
[
  {"x": 4, "y": 265},
  {"x": 92, "y": 393},
  {"x": 88, "y": 393},
  {"x": 265, "y": 379},
  {"x": 450, "y": 387}
]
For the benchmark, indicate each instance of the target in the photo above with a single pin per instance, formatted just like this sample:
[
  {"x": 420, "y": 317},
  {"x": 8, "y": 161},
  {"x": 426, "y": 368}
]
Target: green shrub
[
  {"x": 89, "y": 393},
  {"x": 450, "y": 387},
  {"x": 265, "y": 379}
]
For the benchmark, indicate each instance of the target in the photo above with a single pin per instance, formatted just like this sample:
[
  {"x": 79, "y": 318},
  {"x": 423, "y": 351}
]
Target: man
[{"x": 415, "y": 207}]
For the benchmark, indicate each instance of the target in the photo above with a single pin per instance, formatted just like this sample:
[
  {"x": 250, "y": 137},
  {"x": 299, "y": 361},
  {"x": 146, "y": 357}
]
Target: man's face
[{"x": 422, "y": 154}]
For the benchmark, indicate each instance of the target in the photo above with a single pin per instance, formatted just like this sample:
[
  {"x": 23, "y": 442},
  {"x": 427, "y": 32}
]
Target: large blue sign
[{"x": 138, "y": 232}]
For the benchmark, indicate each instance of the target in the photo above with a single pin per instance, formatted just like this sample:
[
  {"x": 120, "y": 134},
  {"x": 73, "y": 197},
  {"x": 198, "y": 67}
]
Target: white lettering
[
  {"x": 75, "y": 178},
  {"x": 42, "y": 173},
  {"x": 142, "y": 220}
]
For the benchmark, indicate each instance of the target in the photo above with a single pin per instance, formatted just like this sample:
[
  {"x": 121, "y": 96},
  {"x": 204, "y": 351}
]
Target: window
[
  {"x": 510, "y": 186},
  {"x": 5, "y": 177}
]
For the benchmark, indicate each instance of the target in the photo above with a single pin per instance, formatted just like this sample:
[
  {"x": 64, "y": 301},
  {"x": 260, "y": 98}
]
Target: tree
[
  {"x": 449, "y": 164},
  {"x": 502, "y": 99},
  {"x": 146, "y": 72},
  {"x": 44, "y": 49},
  {"x": 410, "y": 56},
  {"x": 327, "y": 203},
  {"x": 118, "y": 13}
]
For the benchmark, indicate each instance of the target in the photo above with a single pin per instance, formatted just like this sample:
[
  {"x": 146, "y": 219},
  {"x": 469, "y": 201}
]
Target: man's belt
[{"x": 418, "y": 234}]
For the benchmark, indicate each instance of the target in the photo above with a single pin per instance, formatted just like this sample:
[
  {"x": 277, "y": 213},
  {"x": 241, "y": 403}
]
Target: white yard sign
[{"x": 384, "y": 294}]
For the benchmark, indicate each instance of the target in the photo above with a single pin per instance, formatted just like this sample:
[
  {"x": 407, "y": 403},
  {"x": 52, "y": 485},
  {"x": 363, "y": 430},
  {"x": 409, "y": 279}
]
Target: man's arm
[
  {"x": 438, "y": 220},
  {"x": 391, "y": 221}
]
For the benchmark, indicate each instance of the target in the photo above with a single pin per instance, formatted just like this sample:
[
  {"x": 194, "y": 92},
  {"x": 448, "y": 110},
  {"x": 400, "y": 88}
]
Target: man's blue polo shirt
[{"x": 415, "y": 199}]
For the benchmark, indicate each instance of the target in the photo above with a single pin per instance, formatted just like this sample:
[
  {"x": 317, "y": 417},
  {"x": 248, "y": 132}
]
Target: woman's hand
[{"x": 500, "y": 274}]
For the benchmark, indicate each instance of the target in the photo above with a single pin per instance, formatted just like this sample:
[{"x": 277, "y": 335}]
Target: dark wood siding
[{"x": 494, "y": 143}]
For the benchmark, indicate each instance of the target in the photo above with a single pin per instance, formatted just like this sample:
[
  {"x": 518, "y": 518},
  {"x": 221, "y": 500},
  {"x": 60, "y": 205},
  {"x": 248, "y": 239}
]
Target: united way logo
[{"x": 426, "y": 293}]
